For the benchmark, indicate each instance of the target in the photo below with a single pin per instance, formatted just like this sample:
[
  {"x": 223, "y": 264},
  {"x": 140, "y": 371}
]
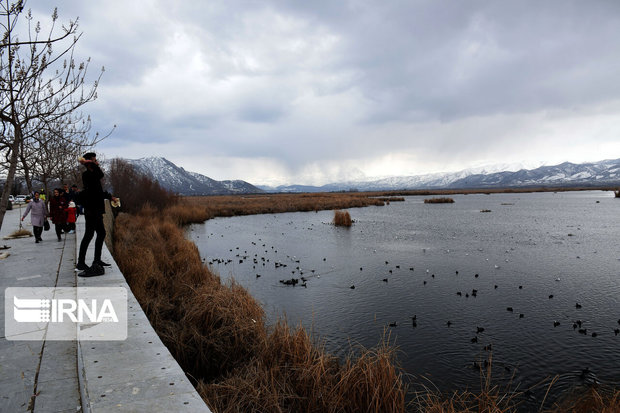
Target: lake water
[{"x": 528, "y": 248}]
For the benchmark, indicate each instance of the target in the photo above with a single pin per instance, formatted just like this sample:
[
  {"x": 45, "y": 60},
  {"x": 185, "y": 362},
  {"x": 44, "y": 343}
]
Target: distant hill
[
  {"x": 566, "y": 174},
  {"x": 178, "y": 180}
]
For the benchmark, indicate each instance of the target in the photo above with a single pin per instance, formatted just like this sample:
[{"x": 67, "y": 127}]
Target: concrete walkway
[{"x": 134, "y": 375}]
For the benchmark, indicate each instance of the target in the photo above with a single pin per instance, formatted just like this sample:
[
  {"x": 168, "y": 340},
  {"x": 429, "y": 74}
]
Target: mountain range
[
  {"x": 605, "y": 172},
  {"x": 182, "y": 182}
]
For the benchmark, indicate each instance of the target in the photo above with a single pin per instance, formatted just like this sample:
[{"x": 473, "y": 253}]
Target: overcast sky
[{"x": 311, "y": 92}]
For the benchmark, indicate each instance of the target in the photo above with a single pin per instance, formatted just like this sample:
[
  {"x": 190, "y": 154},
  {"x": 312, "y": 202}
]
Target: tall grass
[{"x": 342, "y": 219}]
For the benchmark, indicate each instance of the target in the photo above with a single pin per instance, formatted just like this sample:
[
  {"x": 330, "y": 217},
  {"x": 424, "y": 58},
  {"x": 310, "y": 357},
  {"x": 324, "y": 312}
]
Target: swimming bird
[
  {"x": 550, "y": 296},
  {"x": 509, "y": 309},
  {"x": 488, "y": 347},
  {"x": 479, "y": 330},
  {"x": 577, "y": 305},
  {"x": 495, "y": 286},
  {"x": 594, "y": 334},
  {"x": 520, "y": 287},
  {"x": 385, "y": 280},
  {"x": 474, "y": 340},
  {"x": 583, "y": 331},
  {"x": 459, "y": 293},
  {"x": 476, "y": 275},
  {"x": 352, "y": 287},
  {"x": 617, "y": 331},
  {"x": 556, "y": 323},
  {"x": 457, "y": 273},
  {"x": 521, "y": 315},
  {"x": 449, "y": 323},
  {"x": 410, "y": 268},
  {"x": 393, "y": 324},
  {"x": 414, "y": 322}
]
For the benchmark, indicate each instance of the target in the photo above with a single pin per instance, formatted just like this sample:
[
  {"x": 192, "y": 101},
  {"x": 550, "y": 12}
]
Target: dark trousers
[
  {"x": 37, "y": 232},
  {"x": 94, "y": 223},
  {"x": 59, "y": 228}
]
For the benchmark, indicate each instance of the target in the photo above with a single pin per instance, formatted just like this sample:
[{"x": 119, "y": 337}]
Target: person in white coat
[{"x": 38, "y": 216}]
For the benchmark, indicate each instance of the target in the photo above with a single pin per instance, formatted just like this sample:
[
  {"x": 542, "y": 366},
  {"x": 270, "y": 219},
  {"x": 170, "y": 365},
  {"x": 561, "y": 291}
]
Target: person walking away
[
  {"x": 74, "y": 195},
  {"x": 71, "y": 217},
  {"x": 66, "y": 193},
  {"x": 58, "y": 206},
  {"x": 92, "y": 198},
  {"x": 38, "y": 215}
]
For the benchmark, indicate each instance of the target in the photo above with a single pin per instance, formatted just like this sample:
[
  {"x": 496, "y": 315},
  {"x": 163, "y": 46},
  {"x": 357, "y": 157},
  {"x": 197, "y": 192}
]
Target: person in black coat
[{"x": 92, "y": 199}]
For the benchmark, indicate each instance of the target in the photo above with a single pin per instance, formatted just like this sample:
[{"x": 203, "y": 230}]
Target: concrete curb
[{"x": 135, "y": 375}]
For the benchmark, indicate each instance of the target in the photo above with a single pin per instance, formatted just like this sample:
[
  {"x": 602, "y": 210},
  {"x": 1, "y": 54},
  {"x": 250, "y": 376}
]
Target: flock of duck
[{"x": 263, "y": 262}]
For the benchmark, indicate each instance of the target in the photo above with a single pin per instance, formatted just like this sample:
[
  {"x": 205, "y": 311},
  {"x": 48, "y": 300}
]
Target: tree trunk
[{"x": 11, "y": 175}]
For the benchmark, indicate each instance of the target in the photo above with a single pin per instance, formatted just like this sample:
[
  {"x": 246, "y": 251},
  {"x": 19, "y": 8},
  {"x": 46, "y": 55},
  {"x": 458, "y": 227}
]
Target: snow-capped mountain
[
  {"x": 566, "y": 174},
  {"x": 178, "y": 180}
]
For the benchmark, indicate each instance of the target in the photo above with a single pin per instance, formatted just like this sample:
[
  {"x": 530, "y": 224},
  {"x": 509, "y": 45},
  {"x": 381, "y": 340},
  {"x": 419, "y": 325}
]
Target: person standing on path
[
  {"x": 37, "y": 217},
  {"x": 58, "y": 206},
  {"x": 92, "y": 199}
]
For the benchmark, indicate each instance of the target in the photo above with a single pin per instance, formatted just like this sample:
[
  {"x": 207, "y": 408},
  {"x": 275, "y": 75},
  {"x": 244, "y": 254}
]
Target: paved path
[{"x": 134, "y": 375}]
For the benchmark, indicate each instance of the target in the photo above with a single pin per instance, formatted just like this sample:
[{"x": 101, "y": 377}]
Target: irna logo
[
  {"x": 65, "y": 313},
  {"x": 59, "y": 310}
]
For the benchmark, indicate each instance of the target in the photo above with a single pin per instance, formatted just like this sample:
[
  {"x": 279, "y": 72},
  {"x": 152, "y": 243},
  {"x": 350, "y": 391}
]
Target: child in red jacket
[{"x": 71, "y": 216}]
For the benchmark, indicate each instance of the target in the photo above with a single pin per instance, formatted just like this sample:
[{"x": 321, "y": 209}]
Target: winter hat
[{"x": 71, "y": 204}]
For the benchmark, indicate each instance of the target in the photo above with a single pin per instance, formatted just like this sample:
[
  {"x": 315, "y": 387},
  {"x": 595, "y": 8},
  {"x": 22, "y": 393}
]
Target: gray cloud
[{"x": 309, "y": 89}]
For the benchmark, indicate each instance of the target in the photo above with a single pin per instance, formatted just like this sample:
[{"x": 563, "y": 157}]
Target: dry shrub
[
  {"x": 439, "y": 201},
  {"x": 342, "y": 219}
]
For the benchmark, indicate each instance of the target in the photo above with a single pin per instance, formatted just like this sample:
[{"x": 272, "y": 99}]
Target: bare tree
[{"x": 41, "y": 90}]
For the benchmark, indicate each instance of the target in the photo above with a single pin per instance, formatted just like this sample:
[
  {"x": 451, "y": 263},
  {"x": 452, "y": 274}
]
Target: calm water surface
[{"x": 529, "y": 247}]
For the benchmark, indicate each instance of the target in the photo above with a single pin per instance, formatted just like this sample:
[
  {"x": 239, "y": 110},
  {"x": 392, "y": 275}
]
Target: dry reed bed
[
  {"x": 439, "y": 201},
  {"x": 218, "y": 335},
  {"x": 342, "y": 219},
  {"x": 233, "y": 205}
]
